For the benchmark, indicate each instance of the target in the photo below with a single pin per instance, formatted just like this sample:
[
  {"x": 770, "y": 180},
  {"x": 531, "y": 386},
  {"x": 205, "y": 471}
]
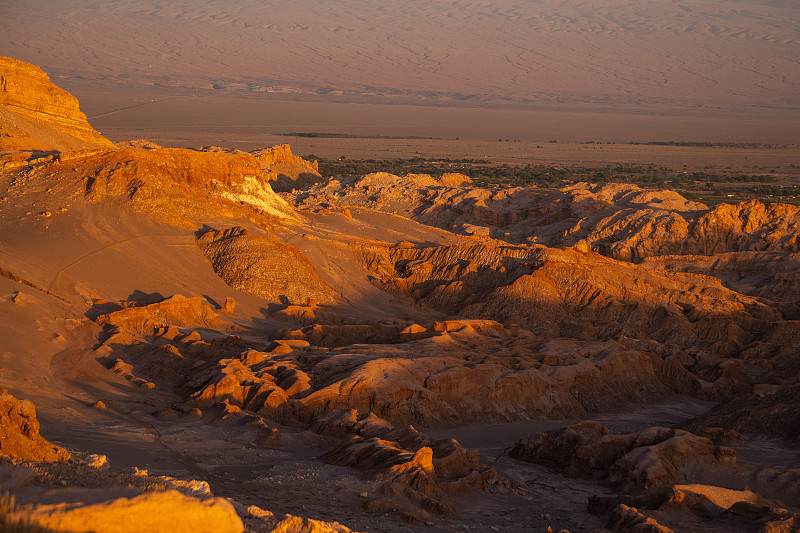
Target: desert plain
[{"x": 204, "y": 331}]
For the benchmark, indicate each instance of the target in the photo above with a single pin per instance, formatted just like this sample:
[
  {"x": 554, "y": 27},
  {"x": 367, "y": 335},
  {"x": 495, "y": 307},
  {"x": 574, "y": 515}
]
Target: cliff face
[
  {"x": 285, "y": 170},
  {"x": 281, "y": 154},
  {"x": 35, "y": 114}
]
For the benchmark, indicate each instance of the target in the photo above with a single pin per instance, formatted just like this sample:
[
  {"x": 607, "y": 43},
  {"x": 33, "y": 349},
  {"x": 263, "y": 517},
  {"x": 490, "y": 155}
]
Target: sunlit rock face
[
  {"x": 35, "y": 114},
  {"x": 285, "y": 170},
  {"x": 621, "y": 221}
]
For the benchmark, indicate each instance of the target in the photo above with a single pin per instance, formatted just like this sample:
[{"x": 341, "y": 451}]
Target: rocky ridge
[
  {"x": 620, "y": 221},
  {"x": 168, "y": 184}
]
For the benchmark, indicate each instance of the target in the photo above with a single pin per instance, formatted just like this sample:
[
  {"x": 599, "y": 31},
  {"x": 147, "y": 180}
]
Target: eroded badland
[{"x": 218, "y": 340}]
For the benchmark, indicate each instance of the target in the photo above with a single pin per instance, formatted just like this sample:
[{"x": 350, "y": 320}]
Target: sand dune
[{"x": 697, "y": 54}]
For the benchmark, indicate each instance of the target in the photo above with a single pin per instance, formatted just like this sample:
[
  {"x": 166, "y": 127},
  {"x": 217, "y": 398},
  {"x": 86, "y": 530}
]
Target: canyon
[{"x": 211, "y": 339}]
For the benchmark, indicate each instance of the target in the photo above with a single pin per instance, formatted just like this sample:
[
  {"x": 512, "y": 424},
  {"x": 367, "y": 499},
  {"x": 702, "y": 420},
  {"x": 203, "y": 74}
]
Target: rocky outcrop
[
  {"x": 655, "y": 463},
  {"x": 258, "y": 520},
  {"x": 19, "y": 432},
  {"x": 35, "y": 114},
  {"x": 644, "y": 462},
  {"x": 694, "y": 507},
  {"x": 617, "y": 220},
  {"x": 772, "y": 410},
  {"x": 176, "y": 311},
  {"x": 281, "y": 154},
  {"x": 710, "y": 500},
  {"x": 264, "y": 266},
  {"x": 286, "y": 171},
  {"x": 565, "y": 293},
  {"x": 174, "y": 186},
  {"x": 417, "y": 472},
  {"x": 626, "y": 519}
]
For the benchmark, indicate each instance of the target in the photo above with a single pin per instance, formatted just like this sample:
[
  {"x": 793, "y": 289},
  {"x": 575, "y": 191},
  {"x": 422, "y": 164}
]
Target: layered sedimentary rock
[{"x": 35, "y": 114}]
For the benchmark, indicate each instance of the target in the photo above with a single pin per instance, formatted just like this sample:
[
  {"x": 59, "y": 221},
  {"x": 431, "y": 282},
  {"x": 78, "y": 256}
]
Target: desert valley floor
[{"x": 212, "y": 339}]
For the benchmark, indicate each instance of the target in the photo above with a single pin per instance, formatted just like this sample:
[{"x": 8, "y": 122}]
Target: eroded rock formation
[
  {"x": 151, "y": 511},
  {"x": 264, "y": 266},
  {"x": 566, "y": 293},
  {"x": 617, "y": 220},
  {"x": 19, "y": 432},
  {"x": 35, "y": 114},
  {"x": 644, "y": 462},
  {"x": 285, "y": 170}
]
